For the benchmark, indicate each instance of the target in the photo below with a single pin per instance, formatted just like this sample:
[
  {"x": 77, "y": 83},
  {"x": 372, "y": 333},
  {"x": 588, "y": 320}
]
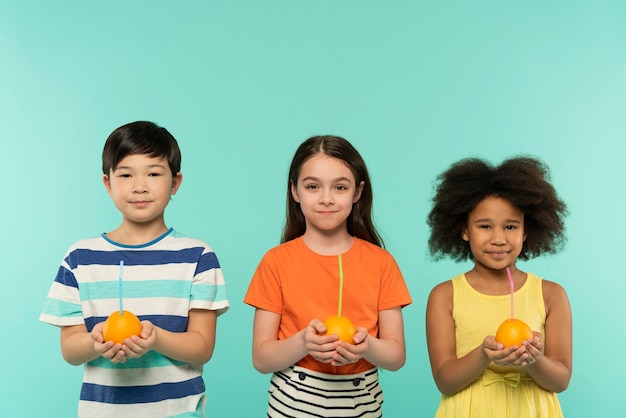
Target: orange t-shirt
[{"x": 300, "y": 285}]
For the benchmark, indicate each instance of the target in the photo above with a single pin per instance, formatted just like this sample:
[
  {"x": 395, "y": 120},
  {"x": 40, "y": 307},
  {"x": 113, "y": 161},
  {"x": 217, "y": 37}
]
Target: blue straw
[{"x": 120, "y": 282}]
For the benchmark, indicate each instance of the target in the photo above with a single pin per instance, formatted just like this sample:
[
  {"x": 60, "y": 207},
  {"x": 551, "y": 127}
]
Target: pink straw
[{"x": 508, "y": 272}]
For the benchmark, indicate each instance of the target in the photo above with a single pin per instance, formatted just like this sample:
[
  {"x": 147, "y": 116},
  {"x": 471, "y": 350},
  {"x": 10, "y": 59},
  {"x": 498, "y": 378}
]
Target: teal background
[{"x": 414, "y": 85}]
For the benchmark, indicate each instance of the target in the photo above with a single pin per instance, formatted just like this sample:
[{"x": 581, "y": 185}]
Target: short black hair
[{"x": 140, "y": 137}]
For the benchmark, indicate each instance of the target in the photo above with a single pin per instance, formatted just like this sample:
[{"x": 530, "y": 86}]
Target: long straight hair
[{"x": 359, "y": 222}]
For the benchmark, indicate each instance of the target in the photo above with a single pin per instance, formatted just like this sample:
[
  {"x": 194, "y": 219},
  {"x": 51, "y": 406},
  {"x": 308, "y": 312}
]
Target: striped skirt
[{"x": 298, "y": 392}]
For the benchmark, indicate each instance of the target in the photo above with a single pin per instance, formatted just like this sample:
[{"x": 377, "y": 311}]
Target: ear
[
  {"x": 464, "y": 234},
  {"x": 178, "y": 178},
  {"x": 357, "y": 193},
  {"x": 294, "y": 192},
  {"x": 107, "y": 183}
]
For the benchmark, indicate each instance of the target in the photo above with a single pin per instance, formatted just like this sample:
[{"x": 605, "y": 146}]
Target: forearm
[
  {"x": 455, "y": 375},
  {"x": 189, "y": 347},
  {"x": 550, "y": 374},
  {"x": 78, "y": 348},
  {"x": 275, "y": 355},
  {"x": 388, "y": 354}
]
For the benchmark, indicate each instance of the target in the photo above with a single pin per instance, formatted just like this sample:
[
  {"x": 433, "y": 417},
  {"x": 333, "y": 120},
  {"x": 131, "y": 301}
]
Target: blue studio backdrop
[{"x": 414, "y": 85}]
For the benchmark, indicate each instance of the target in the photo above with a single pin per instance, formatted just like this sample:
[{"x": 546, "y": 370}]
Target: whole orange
[
  {"x": 342, "y": 326},
  {"x": 121, "y": 325},
  {"x": 513, "y": 332}
]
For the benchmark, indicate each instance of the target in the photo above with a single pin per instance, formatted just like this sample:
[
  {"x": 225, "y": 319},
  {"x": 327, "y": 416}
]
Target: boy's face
[{"x": 141, "y": 187}]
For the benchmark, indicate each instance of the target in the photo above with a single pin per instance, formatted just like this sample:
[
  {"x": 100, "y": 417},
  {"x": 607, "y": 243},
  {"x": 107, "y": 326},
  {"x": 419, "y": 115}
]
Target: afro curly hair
[{"x": 524, "y": 181}]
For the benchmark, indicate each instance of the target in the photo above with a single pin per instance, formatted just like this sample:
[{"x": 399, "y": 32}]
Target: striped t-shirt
[{"x": 161, "y": 282}]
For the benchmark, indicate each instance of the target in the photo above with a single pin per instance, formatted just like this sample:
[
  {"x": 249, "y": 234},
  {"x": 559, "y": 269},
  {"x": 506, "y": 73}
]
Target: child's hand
[
  {"x": 137, "y": 346},
  {"x": 351, "y": 353},
  {"x": 320, "y": 347},
  {"x": 107, "y": 349},
  {"x": 514, "y": 355},
  {"x": 534, "y": 349}
]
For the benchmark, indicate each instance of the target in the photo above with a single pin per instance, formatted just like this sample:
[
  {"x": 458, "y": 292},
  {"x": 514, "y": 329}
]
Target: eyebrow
[
  {"x": 312, "y": 178},
  {"x": 125, "y": 167},
  {"x": 508, "y": 221}
]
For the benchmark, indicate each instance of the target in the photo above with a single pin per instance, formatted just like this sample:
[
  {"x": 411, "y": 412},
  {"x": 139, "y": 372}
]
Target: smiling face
[
  {"x": 326, "y": 190},
  {"x": 495, "y": 232},
  {"x": 141, "y": 187}
]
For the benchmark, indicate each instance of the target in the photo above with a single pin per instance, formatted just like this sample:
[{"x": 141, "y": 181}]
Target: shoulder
[
  {"x": 548, "y": 287},
  {"x": 445, "y": 290},
  {"x": 177, "y": 240},
  {"x": 89, "y": 243},
  {"x": 442, "y": 291},
  {"x": 556, "y": 301},
  {"x": 440, "y": 300},
  {"x": 554, "y": 295},
  {"x": 287, "y": 248},
  {"x": 281, "y": 255},
  {"x": 370, "y": 249},
  {"x": 552, "y": 290}
]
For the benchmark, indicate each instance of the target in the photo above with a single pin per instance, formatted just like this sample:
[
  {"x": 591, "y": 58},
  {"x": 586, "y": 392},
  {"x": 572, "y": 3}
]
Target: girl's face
[
  {"x": 141, "y": 187},
  {"x": 495, "y": 233},
  {"x": 326, "y": 190}
]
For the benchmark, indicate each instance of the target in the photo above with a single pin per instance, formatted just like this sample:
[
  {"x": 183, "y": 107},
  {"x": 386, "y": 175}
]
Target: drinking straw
[
  {"x": 340, "y": 286},
  {"x": 508, "y": 272},
  {"x": 120, "y": 286}
]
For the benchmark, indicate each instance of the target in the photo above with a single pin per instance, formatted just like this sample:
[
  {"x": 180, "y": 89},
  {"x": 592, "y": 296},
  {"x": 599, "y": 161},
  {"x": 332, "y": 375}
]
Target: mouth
[
  {"x": 326, "y": 212},
  {"x": 497, "y": 254},
  {"x": 140, "y": 203}
]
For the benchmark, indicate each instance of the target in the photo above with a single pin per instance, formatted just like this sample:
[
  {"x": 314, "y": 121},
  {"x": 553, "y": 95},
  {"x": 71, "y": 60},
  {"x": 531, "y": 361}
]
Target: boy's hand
[
  {"x": 135, "y": 347},
  {"x": 107, "y": 349}
]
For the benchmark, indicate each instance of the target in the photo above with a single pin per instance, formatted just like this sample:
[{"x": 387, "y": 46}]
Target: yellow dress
[{"x": 500, "y": 392}]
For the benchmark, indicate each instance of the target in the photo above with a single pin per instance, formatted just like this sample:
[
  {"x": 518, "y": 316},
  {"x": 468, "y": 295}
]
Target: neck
[
  {"x": 136, "y": 234},
  {"x": 328, "y": 244}
]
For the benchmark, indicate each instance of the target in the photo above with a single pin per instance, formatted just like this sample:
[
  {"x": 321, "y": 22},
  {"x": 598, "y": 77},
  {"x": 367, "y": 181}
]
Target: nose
[
  {"x": 326, "y": 197},
  {"x": 498, "y": 237},
  {"x": 140, "y": 186}
]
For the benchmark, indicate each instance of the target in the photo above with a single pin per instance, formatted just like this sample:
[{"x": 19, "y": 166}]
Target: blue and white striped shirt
[{"x": 161, "y": 282}]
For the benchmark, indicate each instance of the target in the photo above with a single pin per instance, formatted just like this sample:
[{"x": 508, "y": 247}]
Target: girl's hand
[
  {"x": 107, "y": 349},
  {"x": 321, "y": 347},
  {"x": 515, "y": 355},
  {"x": 534, "y": 349},
  {"x": 351, "y": 353},
  {"x": 137, "y": 346}
]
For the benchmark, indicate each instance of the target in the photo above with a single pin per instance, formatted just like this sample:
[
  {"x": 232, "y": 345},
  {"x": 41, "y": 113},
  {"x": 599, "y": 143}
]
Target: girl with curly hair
[{"x": 495, "y": 215}]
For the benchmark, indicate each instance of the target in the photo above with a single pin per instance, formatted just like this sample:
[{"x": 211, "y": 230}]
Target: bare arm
[
  {"x": 451, "y": 374},
  {"x": 77, "y": 345},
  {"x": 193, "y": 346},
  {"x": 269, "y": 354},
  {"x": 388, "y": 351},
  {"x": 553, "y": 369}
]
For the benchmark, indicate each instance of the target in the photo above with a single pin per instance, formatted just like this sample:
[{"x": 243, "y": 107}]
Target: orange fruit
[
  {"x": 513, "y": 332},
  {"x": 342, "y": 326},
  {"x": 121, "y": 325}
]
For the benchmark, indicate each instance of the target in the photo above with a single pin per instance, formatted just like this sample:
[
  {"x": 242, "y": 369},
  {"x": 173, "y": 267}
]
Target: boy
[{"x": 174, "y": 284}]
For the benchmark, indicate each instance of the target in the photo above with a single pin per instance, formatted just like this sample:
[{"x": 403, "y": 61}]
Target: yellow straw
[{"x": 340, "y": 286}]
